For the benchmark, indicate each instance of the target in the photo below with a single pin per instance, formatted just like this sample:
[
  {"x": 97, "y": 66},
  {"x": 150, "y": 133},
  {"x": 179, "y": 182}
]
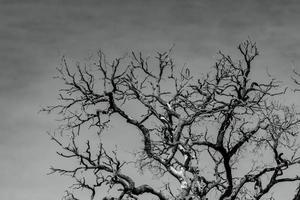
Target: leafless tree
[{"x": 225, "y": 120}]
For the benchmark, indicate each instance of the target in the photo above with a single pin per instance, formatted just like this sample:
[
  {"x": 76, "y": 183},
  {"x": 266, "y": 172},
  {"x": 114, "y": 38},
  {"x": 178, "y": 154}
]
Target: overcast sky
[{"x": 34, "y": 34}]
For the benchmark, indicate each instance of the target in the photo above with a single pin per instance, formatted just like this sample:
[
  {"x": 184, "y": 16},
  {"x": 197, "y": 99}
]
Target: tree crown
[{"x": 224, "y": 119}]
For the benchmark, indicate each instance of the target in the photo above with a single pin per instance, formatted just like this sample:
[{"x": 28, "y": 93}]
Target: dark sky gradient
[{"x": 34, "y": 34}]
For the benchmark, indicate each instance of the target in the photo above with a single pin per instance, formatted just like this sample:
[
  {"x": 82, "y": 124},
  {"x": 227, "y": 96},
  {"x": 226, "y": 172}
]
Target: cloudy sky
[{"x": 34, "y": 34}]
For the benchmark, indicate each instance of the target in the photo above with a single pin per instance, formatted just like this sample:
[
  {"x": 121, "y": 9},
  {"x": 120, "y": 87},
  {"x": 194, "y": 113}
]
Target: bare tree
[{"x": 224, "y": 119}]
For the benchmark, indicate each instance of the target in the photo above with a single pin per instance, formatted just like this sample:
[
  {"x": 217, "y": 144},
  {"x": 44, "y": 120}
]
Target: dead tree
[{"x": 225, "y": 119}]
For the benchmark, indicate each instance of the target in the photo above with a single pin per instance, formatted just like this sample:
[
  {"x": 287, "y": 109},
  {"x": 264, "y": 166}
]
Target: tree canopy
[{"x": 224, "y": 118}]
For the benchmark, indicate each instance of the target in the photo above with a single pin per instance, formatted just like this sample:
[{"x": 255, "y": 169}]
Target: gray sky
[{"x": 34, "y": 34}]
